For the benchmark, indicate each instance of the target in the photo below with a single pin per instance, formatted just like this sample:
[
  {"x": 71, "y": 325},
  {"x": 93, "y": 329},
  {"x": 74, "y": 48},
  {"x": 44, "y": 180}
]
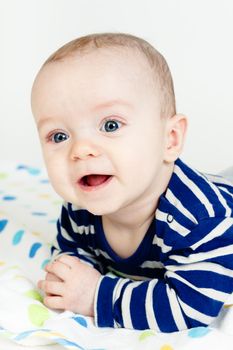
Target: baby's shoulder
[{"x": 199, "y": 195}]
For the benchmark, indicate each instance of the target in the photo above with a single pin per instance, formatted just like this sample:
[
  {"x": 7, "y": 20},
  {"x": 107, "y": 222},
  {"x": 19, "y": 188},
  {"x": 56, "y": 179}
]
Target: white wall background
[{"x": 195, "y": 36}]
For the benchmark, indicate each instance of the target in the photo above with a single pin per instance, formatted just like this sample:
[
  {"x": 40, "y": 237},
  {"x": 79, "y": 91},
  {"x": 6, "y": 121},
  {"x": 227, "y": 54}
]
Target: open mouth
[{"x": 94, "y": 180}]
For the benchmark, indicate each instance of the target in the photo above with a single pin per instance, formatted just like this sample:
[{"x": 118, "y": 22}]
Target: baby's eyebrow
[
  {"x": 44, "y": 121},
  {"x": 112, "y": 103}
]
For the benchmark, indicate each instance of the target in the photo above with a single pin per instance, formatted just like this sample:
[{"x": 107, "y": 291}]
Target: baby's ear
[{"x": 175, "y": 135}]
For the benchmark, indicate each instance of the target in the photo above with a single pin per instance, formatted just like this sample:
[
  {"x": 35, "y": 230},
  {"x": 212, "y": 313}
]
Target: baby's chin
[
  {"x": 94, "y": 206},
  {"x": 100, "y": 211}
]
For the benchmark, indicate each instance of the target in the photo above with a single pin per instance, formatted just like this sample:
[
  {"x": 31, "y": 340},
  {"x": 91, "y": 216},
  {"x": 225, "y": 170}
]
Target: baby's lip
[{"x": 81, "y": 179}]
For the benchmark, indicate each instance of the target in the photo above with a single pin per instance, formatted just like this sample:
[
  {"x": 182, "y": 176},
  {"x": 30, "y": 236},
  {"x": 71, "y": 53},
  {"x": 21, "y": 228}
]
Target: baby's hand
[{"x": 70, "y": 285}]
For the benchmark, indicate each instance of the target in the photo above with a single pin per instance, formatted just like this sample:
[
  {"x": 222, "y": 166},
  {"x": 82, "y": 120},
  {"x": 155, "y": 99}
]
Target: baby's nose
[{"x": 83, "y": 149}]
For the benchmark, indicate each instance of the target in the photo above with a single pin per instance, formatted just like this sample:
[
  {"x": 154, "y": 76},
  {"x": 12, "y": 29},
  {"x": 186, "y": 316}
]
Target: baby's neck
[
  {"x": 132, "y": 219},
  {"x": 125, "y": 233}
]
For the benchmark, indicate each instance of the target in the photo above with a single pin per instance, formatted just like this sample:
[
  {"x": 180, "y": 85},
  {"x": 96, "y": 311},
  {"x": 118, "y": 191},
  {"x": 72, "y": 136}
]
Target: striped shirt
[{"x": 181, "y": 274}]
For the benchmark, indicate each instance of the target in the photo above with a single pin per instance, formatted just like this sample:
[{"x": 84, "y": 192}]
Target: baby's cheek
[{"x": 58, "y": 179}]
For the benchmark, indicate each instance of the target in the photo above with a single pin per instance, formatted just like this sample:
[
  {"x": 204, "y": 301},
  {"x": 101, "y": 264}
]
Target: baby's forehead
[
  {"x": 121, "y": 62},
  {"x": 132, "y": 57}
]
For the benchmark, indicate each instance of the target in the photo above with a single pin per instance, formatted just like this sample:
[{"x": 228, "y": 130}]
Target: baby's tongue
[{"x": 95, "y": 180}]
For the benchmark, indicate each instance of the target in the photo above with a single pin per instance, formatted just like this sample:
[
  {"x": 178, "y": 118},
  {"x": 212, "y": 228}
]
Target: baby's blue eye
[
  {"x": 111, "y": 125},
  {"x": 59, "y": 137}
]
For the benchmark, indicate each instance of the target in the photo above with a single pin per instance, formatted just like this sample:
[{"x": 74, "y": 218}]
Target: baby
[{"x": 143, "y": 240}]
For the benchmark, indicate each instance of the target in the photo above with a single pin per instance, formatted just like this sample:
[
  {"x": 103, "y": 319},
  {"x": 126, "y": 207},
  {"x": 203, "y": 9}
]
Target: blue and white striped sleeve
[
  {"x": 198, "y": 280},
  {"x": 69, "y": 240}
]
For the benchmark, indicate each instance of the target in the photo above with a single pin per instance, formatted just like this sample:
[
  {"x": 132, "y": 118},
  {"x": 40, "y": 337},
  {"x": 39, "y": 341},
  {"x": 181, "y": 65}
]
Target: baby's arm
[
  {"x": 71, "y": 276},
  {"x": 69, "y": 242},
  {"x": 197, "y": 282}
]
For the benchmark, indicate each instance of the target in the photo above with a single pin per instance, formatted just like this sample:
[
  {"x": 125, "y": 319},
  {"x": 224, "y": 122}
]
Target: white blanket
[{"x": 28, "y": 212}]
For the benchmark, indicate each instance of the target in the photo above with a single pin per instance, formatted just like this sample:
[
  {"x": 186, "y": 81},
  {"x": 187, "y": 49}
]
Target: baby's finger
[
  {"x": 54, "y": 302},
  {"x": 52, "y": 277},
  {"x": 69, "y": 260},
  {"x": 58, "y": 268},
  {"x": 52, "y": 287}
]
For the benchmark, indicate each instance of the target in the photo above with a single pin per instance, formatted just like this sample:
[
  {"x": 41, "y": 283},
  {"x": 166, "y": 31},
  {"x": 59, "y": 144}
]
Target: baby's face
[{"x": 99, "y": 114}]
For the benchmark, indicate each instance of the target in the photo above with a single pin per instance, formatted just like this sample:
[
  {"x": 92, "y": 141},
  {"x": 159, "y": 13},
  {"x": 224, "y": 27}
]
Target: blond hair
[{"x": 156, "y": 61}]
